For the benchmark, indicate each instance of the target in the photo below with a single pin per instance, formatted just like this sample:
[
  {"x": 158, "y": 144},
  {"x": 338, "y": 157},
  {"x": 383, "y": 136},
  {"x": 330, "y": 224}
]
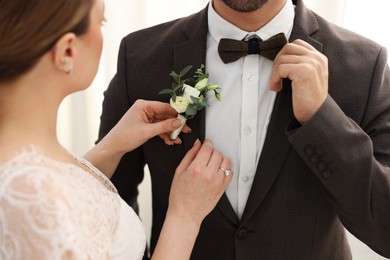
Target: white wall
[
  {"x": 333, "y": 10},
  {"x": 79, "y": 114}
]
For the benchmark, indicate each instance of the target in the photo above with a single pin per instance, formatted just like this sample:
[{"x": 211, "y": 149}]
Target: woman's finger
[
  {"x": 204, "y": 154},
  {"x": 189, "y": 157}
]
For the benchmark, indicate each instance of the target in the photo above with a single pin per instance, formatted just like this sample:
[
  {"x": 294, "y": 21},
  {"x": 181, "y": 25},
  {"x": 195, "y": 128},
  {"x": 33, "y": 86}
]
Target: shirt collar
[{"x": 282, "y": 22}]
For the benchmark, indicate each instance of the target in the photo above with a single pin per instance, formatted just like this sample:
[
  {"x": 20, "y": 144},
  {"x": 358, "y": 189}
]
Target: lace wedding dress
[{"x": 53, "y": 210}]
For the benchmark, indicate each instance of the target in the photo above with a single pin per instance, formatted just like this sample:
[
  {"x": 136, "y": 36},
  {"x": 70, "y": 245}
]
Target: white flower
[
  {"x": 188, "y": 99},
  {"x": 190, "y": 91},
  {"x": 180, "y": 105},
  {"x": 201, "y": 84}
]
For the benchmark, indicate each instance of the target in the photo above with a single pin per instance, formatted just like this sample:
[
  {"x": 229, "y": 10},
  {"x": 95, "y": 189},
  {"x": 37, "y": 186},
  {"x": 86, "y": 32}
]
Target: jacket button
[
  {"x": 242, "y": 233},
  {"x": 327, "y": 174},
  {"x": 322, "y": 166}
]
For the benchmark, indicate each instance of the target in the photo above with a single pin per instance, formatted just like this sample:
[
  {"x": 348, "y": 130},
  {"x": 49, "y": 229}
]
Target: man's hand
[{"x": 308, "y": 70}]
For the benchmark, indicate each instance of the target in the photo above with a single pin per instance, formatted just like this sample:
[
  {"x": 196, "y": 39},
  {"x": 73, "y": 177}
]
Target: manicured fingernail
[
  {"x": 176, "y": 123},
  {"x": 196, "y": 142}
]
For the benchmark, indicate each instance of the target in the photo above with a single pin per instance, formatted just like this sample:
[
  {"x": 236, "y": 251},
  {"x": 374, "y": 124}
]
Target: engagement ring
[{"x": 226, "y": 172}]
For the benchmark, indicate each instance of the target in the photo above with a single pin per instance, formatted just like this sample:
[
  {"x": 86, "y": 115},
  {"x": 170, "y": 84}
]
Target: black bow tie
[{"x": 231, "y": 50}]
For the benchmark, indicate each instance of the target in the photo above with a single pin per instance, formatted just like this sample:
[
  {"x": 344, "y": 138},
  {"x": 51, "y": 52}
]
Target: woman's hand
[
  {"x": 144, "y": 120},
  {"x": 199, "y": 182},
  {"x": 147, "y": 119}
]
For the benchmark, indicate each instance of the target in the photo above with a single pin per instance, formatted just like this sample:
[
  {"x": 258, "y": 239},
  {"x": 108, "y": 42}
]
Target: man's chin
[{"x": 245, "y": 6}]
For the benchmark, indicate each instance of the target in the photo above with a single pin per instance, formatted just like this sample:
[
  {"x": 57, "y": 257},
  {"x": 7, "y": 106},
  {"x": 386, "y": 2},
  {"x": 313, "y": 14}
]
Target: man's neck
[{"x": 252, "y": 21}]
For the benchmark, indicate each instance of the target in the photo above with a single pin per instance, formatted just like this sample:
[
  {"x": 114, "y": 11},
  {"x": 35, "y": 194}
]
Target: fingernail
[
  {"x": 176, "y": 123},
  {"x": 196, "y": 142}
]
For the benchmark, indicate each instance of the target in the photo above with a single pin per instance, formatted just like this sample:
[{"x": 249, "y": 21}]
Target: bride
[{"x": 54, "y": 205}]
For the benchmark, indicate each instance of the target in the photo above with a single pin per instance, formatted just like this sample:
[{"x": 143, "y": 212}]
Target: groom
[{"x": 308, "y": 133}]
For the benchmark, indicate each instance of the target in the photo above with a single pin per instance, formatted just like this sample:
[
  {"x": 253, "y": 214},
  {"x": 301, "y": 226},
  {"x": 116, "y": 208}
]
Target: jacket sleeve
[
  {"x": 352, "y": 160},
  {"x": 116, "y": 102}
]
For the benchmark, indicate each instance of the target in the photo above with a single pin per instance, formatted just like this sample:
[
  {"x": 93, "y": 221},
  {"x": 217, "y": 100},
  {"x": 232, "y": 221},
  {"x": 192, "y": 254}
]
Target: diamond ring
[{"x": 226, "y": 172}]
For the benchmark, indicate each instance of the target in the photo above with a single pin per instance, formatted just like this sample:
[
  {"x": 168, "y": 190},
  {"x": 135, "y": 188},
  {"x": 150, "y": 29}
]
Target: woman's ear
[{"x": 63, "y": 52}]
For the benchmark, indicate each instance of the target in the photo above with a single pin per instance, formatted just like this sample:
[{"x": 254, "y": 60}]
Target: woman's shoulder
[
  {"x": 31, "y": 169},
  {"x": 28, "y": 161},
  {"x": 55, "y": 203}
]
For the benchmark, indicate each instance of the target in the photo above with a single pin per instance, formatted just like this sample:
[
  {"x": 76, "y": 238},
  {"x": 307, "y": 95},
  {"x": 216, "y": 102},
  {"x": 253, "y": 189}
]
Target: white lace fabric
[{"x": 53, "y": 210}]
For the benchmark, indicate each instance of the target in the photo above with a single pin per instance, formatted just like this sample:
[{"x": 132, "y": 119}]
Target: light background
[{"x": 79, "y": 114}]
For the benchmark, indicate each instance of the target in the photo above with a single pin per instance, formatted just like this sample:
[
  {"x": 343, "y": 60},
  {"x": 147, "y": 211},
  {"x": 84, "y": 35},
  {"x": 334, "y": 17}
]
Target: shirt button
[
  {"x": 249, "y": 76},
  {"x": 245, "y": 178},
  {"x": 247, "y": 130}
]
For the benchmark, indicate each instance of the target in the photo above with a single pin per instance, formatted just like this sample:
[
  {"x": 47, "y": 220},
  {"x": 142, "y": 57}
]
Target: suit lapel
[
  {"x": 305, "y": 26},
  {"x": 193, "y": 52},
  {"x": 274, "y": 153},
  {"x": 276, "y": 146}
]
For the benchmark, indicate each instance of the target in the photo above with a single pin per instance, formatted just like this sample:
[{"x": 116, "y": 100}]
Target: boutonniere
[{"x": 188, "y": 95}]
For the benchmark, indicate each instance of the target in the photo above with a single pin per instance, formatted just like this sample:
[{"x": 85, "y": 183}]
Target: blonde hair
[{"x": 28, "y": 29}]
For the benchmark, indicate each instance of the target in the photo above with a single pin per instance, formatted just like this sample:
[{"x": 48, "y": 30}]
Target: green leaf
[
  {"x": 185, "y": 70},
  {"x": 203, "y": 102},
  {"x": 194, "y": 99},
  {"x": 178, "y": 90},
  {"x": 190, "y": 81},
  {"x": 175, "y": 77},
  {"x": 191, "y": 110},
  {"x": 199, "y": 103},
  {"x": 199, "y": 107},
  {"x": 166, "y": 91},
  {"x": 173, "y": 74}
]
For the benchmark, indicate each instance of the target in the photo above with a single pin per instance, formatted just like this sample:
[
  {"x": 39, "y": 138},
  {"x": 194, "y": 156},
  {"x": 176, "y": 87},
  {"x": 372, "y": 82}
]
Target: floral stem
[{"x": 176, "y": 132}]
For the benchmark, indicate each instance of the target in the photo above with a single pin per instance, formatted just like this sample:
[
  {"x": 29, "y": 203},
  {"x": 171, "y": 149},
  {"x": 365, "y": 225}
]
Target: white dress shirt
[{"x": 238, "y": 124}]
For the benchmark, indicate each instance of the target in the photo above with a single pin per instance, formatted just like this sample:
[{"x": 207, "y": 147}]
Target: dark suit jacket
[{"x": 311, "y": 180}]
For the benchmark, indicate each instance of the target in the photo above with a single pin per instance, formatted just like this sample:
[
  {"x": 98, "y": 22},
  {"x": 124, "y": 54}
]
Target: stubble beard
[{"x": 245, "y": 6}]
